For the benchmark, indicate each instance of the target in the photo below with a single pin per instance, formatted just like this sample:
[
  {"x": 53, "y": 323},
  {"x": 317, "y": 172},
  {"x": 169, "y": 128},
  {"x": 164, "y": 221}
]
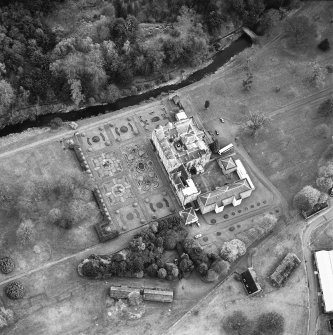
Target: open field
[
  {"x": 289, "y": 148},
  {"x": 208, "y": 317},
  {"x": 51, "y": 242}
]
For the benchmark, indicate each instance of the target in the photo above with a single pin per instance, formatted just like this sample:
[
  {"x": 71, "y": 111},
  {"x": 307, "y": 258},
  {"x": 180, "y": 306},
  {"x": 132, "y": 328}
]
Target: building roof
[
  {"x": 249, "y": 280},
  {"x": 188, "y": 215},
  {"x": 158, "y": 295},
  {"x": 285, "y": 269},
  {"x": 228, "y": 163},
  {"x": 122, "y": 292},
  {"x": 324, "y": 261},
  {"x": 242, "y": 173},
  {"x": 181, "y": 115},
  {"x": 225, "y": 192},
  {"x": 181, "y": 141}
]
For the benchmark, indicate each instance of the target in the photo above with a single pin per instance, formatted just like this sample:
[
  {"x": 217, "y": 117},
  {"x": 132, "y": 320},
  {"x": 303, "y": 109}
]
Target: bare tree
[
  {"x": 300, "y": 31},
  {"x": 257, "y": 121}
]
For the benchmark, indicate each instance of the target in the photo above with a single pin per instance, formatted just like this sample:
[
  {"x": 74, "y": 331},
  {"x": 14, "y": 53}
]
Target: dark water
[{"x": 219, "y": 60}]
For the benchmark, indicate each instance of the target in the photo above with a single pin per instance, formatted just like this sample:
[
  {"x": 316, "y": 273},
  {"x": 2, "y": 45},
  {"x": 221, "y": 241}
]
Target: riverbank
[{"x": 220, "y": 59}]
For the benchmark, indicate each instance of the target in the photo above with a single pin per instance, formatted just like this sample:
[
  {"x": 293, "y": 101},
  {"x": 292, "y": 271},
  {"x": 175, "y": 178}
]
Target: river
[{"x": 219, "y": 59}]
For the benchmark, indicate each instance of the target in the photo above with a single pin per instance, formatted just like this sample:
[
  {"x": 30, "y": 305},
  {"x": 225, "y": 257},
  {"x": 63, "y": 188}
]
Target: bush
[
  {"x": 25, "y": 232},
  {"x": 306, "y": 198},
  {"x": 90, "y": 269},
  {"x": 7, "y": 265},
  {"x": 237, "y": 323},
  {"x": 170, "y": 240},
  {"x": 162, "y": 273},
  {"x": 56, "y": 123},
  {"x": 232, "y": 250},
  {"x": 6, "y": 317},
  {"x": 328, "y": 153},
  {"x": 324, "y": 45},
  {"x": 324, "y": 184},
  {"x": 15, "y": 290},
  {"x": 270, "y": 323},
  {"x": 322, "y": 131}
]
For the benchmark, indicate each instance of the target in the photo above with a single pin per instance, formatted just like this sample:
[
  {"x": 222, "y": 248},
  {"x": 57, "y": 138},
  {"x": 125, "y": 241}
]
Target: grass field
[
  {"x": 51, "y": 242},
  {"x": 287, "y": 151}
]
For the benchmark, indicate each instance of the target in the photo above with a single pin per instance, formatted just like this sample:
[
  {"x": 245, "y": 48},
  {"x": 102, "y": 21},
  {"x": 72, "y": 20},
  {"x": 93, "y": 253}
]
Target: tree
[
  {"x": 56, "y": 122},
  {"x": 325, "y": 179},
  {"x": 247, "y": 82},
  {"x": 324, "y": 45},
  {"x": 173, "y": 50},
  {"x": 15, "y": 290},
  {"x": 195, "y": 50},
  {"x": 300, "y": 31},
  {"x": 317, "y": 75},
  {"x": 328, "y": 153},
  {"x": 232, "y": 250},
  {"x": 6, "y": 94},
  {"x": 322, "y": 130},
  {"x": 237, "y": 324},
  {"x": 25, "y": 233},
  {"x": 214, "y": 146},
  {"x": 257, "y": 121},
  {"x": 306, "y": 198},
  {"x": 6, "y": 317},
  {"x": 132, "y": 26},
  {"x": 271, "y": 323},
  {"x": 207, "y": 103},
  {"x": 90, "y": 269},
  {"x": 170, "y": 240},
  {"x": 7, "y": 265},
  {"x": 162, "y": 273},
  {"x": 203, "y": 268},
  {"x": 326, "y": 108},
  {"x": 76, "y": 91},
  {"x": 118, "y": 31}
]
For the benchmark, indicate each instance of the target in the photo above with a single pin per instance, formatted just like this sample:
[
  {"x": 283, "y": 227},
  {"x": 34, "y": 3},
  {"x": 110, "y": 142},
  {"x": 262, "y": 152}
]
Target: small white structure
[
  {"x": 324, "y": 262},
  {"x": 73, "y": 125},
  {"x": 181, "y": 116},
  {"x": 226, "y": 149},
  {"x": 189, "y": 216}
]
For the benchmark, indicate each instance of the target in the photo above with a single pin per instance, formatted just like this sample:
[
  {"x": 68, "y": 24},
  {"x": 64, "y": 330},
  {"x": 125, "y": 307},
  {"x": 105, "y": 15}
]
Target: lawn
[
  {"x": 288, "y": 149},
  {"x": 51, "y": 242},
  {"x": 290, "y": 300}
]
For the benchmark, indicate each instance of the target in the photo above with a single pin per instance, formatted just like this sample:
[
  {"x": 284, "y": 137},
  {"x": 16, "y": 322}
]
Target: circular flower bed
[
  {"x": 7, "y": 265},
  {"x": 15, "y": 290},
  {"x": 95, "y": 139}
]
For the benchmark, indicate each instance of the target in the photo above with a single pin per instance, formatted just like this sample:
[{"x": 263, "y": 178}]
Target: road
[{"x": 308, "y": 259}]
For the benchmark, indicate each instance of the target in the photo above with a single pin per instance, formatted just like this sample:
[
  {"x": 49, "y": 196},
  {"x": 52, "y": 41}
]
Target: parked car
[
  {"x": 197, "y": 236},
  {"x": 216, "y": 132},
  {"x": 222, "y": 120}
]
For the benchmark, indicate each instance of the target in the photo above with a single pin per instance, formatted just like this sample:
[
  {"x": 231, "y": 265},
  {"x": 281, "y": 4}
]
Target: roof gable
[{"x": 225, "y": 192}]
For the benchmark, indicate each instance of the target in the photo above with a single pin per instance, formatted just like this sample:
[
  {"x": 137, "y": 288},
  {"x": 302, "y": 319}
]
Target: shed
[
  {"x": 122, "y": 292},
  {"x": 158, "y": 295},
  {"x": 285, "y": 269},
  {"x": 249, "y": 280}
]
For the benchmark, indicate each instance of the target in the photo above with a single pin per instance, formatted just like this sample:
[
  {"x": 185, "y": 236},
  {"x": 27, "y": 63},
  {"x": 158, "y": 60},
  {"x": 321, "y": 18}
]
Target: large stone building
[
  {"x": 184, "y": 153},
  {"x": 232, "y": 193}
]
